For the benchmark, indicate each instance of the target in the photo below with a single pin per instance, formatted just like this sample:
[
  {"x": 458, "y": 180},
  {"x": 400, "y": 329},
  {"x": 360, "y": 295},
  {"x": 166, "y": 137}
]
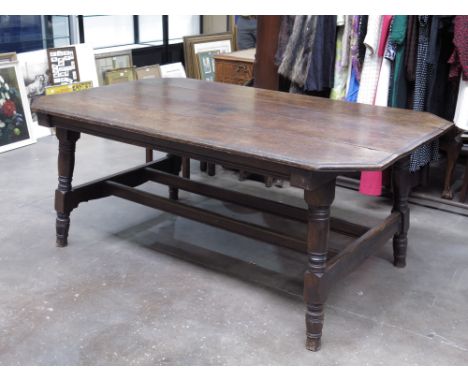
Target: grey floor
[{"x": 121, "y": 293}]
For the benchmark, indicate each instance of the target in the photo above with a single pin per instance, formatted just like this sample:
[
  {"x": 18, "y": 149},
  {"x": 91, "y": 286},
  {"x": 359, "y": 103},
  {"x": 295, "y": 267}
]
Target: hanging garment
[
  {"x": 372, "y": 62},
  {"x": 299, "y": 73},
  {"x": 352, "y": 85},
  {"x": 341, "y": 57},
  {"x": 371, "y": 181},
  {"x": 459, "y": 58},
  {"x": 298, "y": 52},
  {"x": 441, "y": 97},
  {"x": 285, "y": 31},
  {"x": 320, "y": 68},
  {"x": 346, "y": 42},
  {"x": 461, "y": 113},
  {"x": 398, "y": 82},
  {"x": 386, "y": 21},
  {"x": 459, "y": 64},
  {"x": 362, "y": 32},
  {"x": 294, "y": 47},
  {"x": 422, "y": 70},
  {"x": 427, "y": 152},
  {"x": 410, "y": 58},
  {"x": 411, "y": 48},
  {"x": 381, "y": 96}
]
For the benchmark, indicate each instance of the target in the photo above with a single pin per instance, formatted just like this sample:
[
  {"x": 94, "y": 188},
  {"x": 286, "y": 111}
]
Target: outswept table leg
[
  {"x": 319, "y": 202},
  {"x": 66, "y": 163},
  {"x": 401, "y": 190}
]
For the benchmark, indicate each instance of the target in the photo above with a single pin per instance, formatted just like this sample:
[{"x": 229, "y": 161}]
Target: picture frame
[
  {"x": 15, "y": 115},
  {"x": 63, "y": 65},
  {"x": 116, "y": 76},
  {"x": 149, "y": 71},
  {"x": 203, "y": 43},
  {"x": 112, "y": 60},
  {"x": 174, "y": 70},
  {"x": 206, "y": 64}
]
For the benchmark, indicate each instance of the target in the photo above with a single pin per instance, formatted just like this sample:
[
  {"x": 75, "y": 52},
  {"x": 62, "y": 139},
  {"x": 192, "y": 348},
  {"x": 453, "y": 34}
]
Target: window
[
  {"x": 60, "y": 31},
  {"x": 21, "y": 33},
  {"x": 180, "y": 26},
  {"x": 106, "y": 31},
  {"x": 27, "y": 33},
  {"x": 151, "y": 29}
]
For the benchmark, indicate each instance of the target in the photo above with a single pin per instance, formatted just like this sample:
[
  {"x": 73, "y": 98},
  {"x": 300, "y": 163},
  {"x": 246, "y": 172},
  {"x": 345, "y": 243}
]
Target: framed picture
[
  {"x": 150, "y": 71},
  {"x": 175, "y": 70},
  {"x": 206, "y": 64},
  {"x": 193, "y": 45},
  {"x": 15, "y": 118},
  {"x": 112, "y": 60},
  {"x": 63, "y": 64},
  {"x": 116, "y": 76}
]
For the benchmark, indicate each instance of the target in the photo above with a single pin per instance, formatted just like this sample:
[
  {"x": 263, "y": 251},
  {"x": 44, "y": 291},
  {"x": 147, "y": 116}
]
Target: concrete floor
[{"x": 120, "y": 294}]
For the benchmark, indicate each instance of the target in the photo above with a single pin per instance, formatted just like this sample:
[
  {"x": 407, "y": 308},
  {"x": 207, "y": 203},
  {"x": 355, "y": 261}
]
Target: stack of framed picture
[
  {"x": 107, "y": 61},
  {"x": 199, "y": 51},
  {"x": 64, "y": 71},
  {"x": 38, "y": 79},
  {"x": 15, "y": 116}
]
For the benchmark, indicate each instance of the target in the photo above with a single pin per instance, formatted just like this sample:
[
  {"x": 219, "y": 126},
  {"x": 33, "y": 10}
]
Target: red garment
[
  {"x": 371, "y": 183},
  {"x": 459, "y": 57},
  {"x": 386, "y": 21}
]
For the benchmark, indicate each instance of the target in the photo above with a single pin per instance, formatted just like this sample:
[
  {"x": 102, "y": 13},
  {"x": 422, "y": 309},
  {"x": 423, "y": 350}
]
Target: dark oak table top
[{"x": 296, "y": 131}]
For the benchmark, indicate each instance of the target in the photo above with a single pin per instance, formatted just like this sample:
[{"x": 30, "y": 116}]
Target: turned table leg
[
  {"x": 401, "y": 191},
  {"x": 66, "y": 163},
  {"x": 318, "y": 202}
]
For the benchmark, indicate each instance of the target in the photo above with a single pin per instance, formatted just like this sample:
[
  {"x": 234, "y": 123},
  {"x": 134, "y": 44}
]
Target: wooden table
[{"x": 308, "y": 140}]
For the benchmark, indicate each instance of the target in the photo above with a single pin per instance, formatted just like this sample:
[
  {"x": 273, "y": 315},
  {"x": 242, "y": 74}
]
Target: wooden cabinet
[{"x": 235, "y": 68}]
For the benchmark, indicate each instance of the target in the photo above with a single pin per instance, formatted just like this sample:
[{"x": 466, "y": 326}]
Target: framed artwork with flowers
[{"x": 15, "y": 119}]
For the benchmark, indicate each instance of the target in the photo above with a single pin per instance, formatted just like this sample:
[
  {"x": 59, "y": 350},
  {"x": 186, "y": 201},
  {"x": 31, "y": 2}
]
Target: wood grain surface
[{"x": 296, "y": 131}]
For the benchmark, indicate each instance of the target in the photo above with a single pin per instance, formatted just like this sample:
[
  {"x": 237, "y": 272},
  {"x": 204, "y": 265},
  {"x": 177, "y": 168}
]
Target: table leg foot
[
  {"x": 400, "y": 243},
  {"x": 313, "y": 344},
  {"x": 62, "y": 225},
  {"x": 447, "y": 194},
  {"x": 314, "y": 324}
]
